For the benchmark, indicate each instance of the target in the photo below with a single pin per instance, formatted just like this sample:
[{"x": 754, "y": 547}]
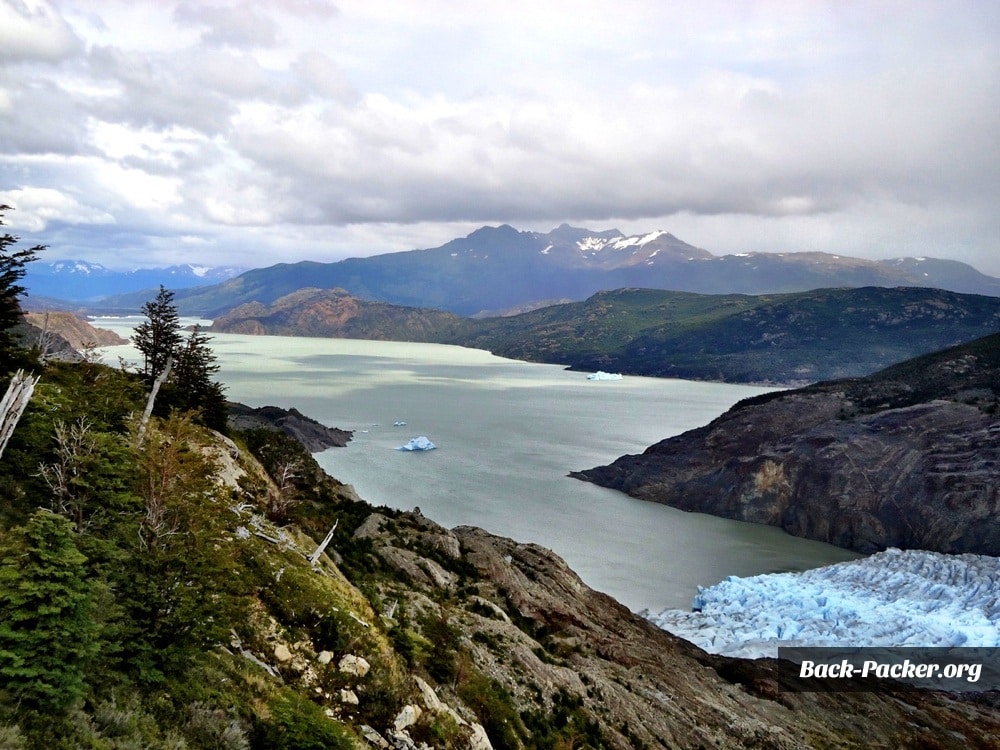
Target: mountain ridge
[
  {"x": 497, "y": 268},
  {"x": 80, "y": 281}
]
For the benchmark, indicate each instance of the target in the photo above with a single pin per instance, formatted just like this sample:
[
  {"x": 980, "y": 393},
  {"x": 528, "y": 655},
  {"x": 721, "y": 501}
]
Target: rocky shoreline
[
  {"x": 314, "y": 436},
  {"x": 906, "y": 458}
]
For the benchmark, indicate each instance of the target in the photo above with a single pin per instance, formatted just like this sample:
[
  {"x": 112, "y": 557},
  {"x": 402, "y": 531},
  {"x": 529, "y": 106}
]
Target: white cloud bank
[{"x": 283, "y": 130}]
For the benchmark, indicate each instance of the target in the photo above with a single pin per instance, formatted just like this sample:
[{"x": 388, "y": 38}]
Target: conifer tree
[
  {"x": 194, "y": 366},
  {"x": 159, "y": 336},
  {"x": 12, "y": 270},
  {"x": 47, "y": 626}
]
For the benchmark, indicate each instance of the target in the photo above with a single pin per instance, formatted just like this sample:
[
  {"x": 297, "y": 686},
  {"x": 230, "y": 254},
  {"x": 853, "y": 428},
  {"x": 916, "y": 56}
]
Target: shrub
[{"x": 298, "y": 724}]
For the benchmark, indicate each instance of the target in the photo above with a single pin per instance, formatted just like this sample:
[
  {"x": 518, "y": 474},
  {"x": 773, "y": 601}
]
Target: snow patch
[
  {"x": 637, "y": 241},
  {"x": 893, "y": 598},
  {"x": 591, "y": 243}
]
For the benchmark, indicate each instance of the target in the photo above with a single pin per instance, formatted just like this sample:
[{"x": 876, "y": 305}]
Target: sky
[{"x": 223, "y": 132}]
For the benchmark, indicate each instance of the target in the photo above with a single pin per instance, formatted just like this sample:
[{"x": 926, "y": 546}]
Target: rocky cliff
[
  {"x": 458, "y": 638},
  {"x": 909, "y": 457},
  {"x": 563, "y": 655},
  {"x": 313, "y": 435},
  {"x": 79, "y": 333}
]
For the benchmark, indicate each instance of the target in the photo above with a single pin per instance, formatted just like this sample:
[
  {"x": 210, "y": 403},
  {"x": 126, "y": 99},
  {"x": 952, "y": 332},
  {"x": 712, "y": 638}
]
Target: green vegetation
[
  {"x": 12, "y": 269},
  {"x": 189, "y": 363},
  {"x": 146, "y": 602},
  {"x": 775, "y": 338},
  {"x": 47, "y": 619},
  {"x": 781, "y": 338}
]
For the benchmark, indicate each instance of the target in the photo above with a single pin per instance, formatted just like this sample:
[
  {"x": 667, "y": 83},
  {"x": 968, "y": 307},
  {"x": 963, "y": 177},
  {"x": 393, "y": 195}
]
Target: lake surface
[{"x": 508, "y": 432}]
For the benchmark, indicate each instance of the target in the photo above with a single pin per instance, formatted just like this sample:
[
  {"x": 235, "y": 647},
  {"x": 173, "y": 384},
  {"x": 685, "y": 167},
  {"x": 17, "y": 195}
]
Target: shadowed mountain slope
[{"x": 908, "y": 457}]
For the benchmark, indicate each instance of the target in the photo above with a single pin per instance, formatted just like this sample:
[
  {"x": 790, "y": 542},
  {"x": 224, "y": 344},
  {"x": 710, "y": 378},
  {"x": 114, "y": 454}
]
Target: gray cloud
[
  {"x": 34, "y": 31},
  {"x": 363, "y": 127}
]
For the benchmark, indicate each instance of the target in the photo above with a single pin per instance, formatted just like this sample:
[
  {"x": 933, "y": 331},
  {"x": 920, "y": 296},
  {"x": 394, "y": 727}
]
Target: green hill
[{"x": 783, "y": 338}]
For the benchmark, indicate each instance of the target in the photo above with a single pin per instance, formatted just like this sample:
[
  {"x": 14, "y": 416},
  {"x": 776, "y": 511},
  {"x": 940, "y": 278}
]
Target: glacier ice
[
  {"x": 893, "y": 598},
  {"x": 420, "y": 443}
]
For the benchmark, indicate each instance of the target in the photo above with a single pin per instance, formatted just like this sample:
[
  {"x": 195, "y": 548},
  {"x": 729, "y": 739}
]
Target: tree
[
  {"x": 12, "y": 270},
  {"x": 194, "y": 365},
  {"x": 159, "y": 336},
  {"x": 47, "y": 624},
  {"x": 189, "y": 386},
  {"x": 176, "y": 585}
]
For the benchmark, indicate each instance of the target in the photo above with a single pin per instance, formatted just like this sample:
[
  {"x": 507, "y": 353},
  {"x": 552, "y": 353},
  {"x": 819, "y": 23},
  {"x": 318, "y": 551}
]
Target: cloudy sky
[{"x": 148, "y": 132}]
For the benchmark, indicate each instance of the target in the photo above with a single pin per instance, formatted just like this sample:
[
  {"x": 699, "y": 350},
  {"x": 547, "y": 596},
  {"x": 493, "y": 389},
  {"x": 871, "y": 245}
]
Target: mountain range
[
  {"x": 498, "y": 268},
  {"x": 80, "y": 281},
  {"x": 781, "y": 338}
]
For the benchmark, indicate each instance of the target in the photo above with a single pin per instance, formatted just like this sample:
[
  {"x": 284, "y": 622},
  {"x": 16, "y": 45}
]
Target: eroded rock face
[
  {"x": 561, "y": 643},
  {"x": 910, "y": 462},
  {"x": 77, "y": 332},
  {"x": 313, "y": 435}
]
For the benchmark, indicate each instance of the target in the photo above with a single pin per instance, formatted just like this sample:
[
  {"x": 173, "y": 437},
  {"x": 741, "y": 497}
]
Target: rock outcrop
[
  {"x": 552, "y": 645},
  {"x": 909, "y": 458},
  {"x": 77, "y": 332},
  {"x": 313, "y": 435}
]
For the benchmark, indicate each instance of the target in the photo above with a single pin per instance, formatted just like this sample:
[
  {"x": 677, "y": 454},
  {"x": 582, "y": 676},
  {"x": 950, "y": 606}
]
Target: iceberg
[
  {"x": 893, "y": 598},
  {"x": 420, "y": 443},
  {"x": 601, "y": 375},
  {"x": 399, "y": 424}
]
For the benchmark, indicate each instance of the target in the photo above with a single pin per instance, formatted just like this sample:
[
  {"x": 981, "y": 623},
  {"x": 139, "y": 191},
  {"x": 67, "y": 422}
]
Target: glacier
[{"x": 892, "y": 598}]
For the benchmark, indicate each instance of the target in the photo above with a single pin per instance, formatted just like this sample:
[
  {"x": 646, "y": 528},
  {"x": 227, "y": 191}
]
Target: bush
[{"x": 298, "y": 724}]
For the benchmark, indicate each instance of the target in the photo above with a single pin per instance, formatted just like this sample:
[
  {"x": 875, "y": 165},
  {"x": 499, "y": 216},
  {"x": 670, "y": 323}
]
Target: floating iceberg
[
  {"x": 890, "y": 599},
  {"x": 420, "y": 443},
  {"x": 399, "y": 424},
  {"x": 601, "y": 375}
]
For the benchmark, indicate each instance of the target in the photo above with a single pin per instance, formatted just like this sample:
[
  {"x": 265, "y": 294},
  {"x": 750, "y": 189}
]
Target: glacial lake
[{"x": 507, "y": 434}]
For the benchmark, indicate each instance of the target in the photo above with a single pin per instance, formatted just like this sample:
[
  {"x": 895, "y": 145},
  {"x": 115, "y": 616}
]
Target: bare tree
[
  {"x": 280, "y": 502},
  {"x": 152, "y": 400},
  {"x": 66, "y": 477},
  {"x": 314, "y": 557},
  {"x": 13, "y": 404}
]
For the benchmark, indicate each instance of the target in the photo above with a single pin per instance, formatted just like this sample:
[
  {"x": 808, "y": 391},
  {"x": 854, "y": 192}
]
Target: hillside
[
  {"x": 904, "y": 458},
  {"x": 334, "y": 313},
  {"x": 500, "y": 268},
  {"x": 189, "y": 616},
  {"x": 789, "y": 338},
  {"x": 77, "y": 332}
]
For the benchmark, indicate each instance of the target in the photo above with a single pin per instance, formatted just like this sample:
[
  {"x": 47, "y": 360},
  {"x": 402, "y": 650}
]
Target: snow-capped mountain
[
  {"x": 500, "y": 268},
  {"x": 82, "y": 281},
  {"x": 613, "y": 250}
]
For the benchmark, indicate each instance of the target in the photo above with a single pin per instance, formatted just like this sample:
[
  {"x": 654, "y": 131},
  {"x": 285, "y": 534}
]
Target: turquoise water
[{"x": 508, "y": 433}]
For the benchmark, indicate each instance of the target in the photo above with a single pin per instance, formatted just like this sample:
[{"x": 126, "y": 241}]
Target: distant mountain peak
[
  {"x": 83, "y": 281},
  {"x": 77, "y": 266}
]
